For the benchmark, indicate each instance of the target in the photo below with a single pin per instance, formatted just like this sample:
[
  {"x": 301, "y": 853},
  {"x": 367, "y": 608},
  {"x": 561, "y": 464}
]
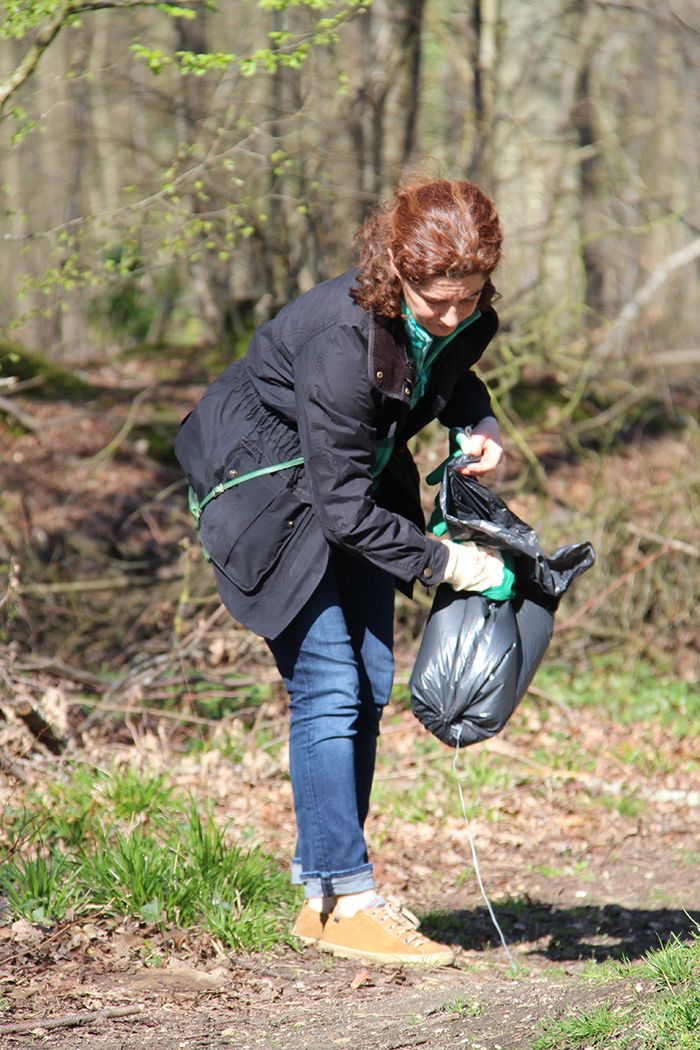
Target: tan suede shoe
[
  {"x": 309, "y": 924},
  {"x": 384, "y": 934}
]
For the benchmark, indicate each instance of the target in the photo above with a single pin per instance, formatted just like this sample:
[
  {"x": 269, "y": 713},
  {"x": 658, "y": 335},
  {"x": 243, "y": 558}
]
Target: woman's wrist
[{"x": 488, "y": 426}]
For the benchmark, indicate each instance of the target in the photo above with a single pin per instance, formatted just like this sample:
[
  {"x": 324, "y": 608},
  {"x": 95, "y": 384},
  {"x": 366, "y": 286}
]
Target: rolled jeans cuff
[{"x": 333, "y": 884}]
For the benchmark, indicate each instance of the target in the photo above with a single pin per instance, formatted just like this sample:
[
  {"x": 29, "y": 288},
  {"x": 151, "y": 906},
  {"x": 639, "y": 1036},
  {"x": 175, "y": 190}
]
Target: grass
[
  {"x": 124, "y": 844},
  {"x": 577, "y": 869},
  {"x": 623, "y": 804},
  {"x": 41, "y": 888},
  {"x": 435, "y": 794},
  {"x": 629, "y": 696},
  {"x": 463, "y": 1006},
  {"x": 664, "y": 1016},
  {"x": 592, "y": 1028}
]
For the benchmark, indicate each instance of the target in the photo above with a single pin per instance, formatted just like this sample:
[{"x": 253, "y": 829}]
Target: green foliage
[
  {"x": 132, "y": 304},
  {"x": 164, "y": 215},
  {"x": 68, "y": 813},
  {"x": 25, "y": 125},
  {"x": 131, "y": 874},
  {"x": 132, "y": 793},
  {"x": 590, "y": 1029},
  {"x": 288, "y": 50},
  {"x": 673, "y": 1022},
  {"x": 125, "y": 844},
  {"x": 20, "y": 17},
  {"x": 674, "y": 963},
  {"x": 128, "y": 311},
  {"x": 178, "y": 12},
  {"x": 666, "y": 1019},
  {"x": 42, "y": 887}
]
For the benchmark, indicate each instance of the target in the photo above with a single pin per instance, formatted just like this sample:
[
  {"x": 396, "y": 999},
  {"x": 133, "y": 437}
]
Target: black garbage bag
[{"x": 478, "y": 656}]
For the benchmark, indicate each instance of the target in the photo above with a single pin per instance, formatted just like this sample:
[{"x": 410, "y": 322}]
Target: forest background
[
  {"x": 172, "y": 173},
  {"x": 163, "y": 193}
]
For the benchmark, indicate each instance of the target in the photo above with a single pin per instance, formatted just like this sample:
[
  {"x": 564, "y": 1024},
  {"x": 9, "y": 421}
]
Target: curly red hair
[{"x": 427, "y": 229}]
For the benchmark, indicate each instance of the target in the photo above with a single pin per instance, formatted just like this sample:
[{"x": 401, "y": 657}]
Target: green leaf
[{"x": 177, "y": 12}]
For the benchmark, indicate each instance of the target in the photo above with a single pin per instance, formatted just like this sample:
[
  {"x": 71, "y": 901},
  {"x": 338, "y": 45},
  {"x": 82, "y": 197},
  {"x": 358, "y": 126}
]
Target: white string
[{"x": 475, "y": 859}]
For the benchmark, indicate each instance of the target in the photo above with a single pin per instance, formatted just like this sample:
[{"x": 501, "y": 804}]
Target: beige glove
[{"x": 472, "y": 568}]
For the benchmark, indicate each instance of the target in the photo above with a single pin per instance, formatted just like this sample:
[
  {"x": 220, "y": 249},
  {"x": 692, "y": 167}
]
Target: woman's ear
[{"x": 488, "y": 293}]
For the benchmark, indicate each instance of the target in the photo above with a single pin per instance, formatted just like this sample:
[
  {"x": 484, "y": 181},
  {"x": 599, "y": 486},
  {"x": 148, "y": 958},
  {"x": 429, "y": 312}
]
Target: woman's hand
[
  {"x": 484, "y": 442},
  {"x": 472, "y": 568}
]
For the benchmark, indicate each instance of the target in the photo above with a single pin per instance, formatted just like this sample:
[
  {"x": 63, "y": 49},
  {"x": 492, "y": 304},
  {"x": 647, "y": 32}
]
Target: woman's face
[{"x": 441, "y": 304}]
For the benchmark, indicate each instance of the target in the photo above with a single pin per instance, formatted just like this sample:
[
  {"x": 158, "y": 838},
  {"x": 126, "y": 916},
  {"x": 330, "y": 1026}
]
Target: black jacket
[{"x": 323, "y": 379}]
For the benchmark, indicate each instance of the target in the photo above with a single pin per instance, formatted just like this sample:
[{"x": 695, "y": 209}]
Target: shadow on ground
[{"x": 585, "y": 932}]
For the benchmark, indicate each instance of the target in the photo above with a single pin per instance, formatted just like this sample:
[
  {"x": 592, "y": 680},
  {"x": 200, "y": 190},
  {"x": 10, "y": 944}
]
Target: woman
[{"x": 308, "y": 505}]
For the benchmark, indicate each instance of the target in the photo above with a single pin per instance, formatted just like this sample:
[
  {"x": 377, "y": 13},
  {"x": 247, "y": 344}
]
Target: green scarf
[{"x": 425, "y": 350}]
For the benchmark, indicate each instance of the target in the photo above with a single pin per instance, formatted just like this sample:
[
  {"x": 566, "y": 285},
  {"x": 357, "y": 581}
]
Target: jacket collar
[{"x": 390, "y": 368}]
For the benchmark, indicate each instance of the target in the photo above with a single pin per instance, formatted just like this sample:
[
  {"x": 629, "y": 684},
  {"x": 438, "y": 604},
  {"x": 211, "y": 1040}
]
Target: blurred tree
[
  {"x": 202, "y": 198},
  {"x": 193, "y": 173}
]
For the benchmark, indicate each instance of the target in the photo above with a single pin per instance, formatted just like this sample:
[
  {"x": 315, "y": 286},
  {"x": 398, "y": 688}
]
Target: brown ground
[
  {"x": 587, "y": 856},
  {"x": 572, "y": 882}
]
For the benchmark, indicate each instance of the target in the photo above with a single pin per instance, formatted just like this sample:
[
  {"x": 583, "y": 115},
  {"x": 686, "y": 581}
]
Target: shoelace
[
  {"x": 396, "y": 906},
  {"x": 401, "y": 922}
]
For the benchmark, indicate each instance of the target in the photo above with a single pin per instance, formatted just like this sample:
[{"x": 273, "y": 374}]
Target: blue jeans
[{"x": 336, "y": 661}]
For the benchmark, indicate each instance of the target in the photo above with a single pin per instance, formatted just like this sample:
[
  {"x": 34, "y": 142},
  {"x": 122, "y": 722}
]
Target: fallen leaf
[
  {"x": 361, "y": 978},
  {"x": 24, "y": 932}
]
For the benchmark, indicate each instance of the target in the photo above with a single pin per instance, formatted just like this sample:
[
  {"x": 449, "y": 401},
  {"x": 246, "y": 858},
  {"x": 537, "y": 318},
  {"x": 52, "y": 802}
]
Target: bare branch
[
  {"x": 48, "y": 32},
  {"x": 667, "y": 541},
  {"x": 71, "y": 1020},
  {"x": 631, "y": 311},
  {"x": 23, "y": 418},
  {"x": 668, "y": 17},
  {"x": 79, "y": 6},
  {"x": 44, "y": 38}
]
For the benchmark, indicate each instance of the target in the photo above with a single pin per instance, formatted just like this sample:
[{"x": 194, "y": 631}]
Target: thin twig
[
  {"x": 29, "y": 423},
  {"x": 174, "y": 716},
  {"x": 71, "y": 1020},
  {"x": 548, "y": 698},
  {"x": 12, "y": 769},
  {"x": 76, "y": 586},
  {"x": 596, "y": 599},
  {"x": 60, "y": 670},
  {"x": 111, "y": 447},
  {"x": 42, "y": 40},
  {"x": 667, "y": 541}
]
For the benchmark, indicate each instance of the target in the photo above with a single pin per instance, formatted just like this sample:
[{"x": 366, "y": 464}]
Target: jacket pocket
[{"x": 246, "y": 529}]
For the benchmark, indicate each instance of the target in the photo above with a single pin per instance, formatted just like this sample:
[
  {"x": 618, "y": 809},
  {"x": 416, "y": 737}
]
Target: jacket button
[
  {"x": 428, "y": 573},
  {"x": 290, "y": 523},
  {"x": 380, "y": 375},
  {"x": 233, "y": 473},
  {"x": 407, "y": 390}
]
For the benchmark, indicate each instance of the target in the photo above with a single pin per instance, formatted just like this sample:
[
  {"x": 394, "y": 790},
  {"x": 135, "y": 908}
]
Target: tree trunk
[
  {"x": 78, "y": 136},
  {"x": 485, "y": 18},
  {"x": 592, "y": 251}
]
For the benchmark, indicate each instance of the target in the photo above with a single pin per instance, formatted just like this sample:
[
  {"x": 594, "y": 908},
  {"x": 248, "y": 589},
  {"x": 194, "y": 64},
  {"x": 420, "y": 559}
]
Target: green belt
[{"x": 196, "y": 506}]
